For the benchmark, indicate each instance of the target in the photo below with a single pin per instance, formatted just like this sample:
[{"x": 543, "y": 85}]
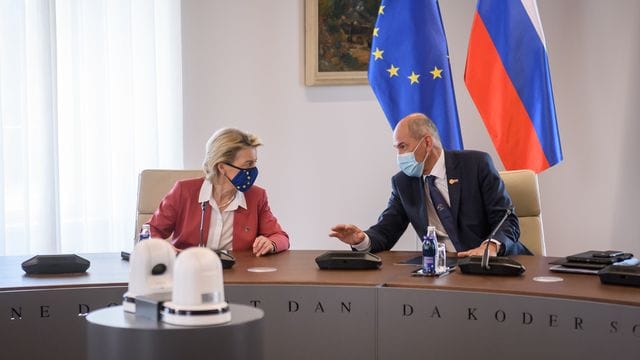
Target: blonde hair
[{"x": 223, "y": 146}]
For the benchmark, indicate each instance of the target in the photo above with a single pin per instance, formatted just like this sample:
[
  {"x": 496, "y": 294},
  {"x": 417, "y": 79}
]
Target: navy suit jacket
[{"x": 478, "y": 202}]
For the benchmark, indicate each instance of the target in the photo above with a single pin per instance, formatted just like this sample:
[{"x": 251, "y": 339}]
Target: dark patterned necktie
[{"x": 444, "y": 212}]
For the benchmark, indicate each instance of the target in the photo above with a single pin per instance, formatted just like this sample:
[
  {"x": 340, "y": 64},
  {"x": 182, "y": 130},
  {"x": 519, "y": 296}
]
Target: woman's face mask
[{"x": 244, "y": 179}]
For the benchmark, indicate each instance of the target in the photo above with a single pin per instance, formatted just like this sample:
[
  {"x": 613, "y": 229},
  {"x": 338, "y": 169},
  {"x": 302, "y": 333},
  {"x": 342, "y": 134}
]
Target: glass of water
[{"x": 441, "y": 258}]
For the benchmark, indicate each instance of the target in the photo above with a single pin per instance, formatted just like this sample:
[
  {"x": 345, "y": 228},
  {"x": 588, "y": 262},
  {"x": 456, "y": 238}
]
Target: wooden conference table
[{"x": 362, "y": 314}]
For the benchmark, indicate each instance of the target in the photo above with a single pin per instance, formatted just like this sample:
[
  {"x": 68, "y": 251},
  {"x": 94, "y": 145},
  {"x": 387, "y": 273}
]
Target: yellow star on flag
[
  {"x": 381, "y": 10},
  {"x": 436, "y": 72},
  {"x": 414, "y": 78},
  {"x": 377, "y": 54},
  {"x": 375, "y": 31},
  {"x": 393, "y": 71}
]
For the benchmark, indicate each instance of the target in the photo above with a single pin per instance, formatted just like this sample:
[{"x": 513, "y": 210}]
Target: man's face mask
[
  {"x": 408, "y": 163},
  {"x": 244, "y": 179}
]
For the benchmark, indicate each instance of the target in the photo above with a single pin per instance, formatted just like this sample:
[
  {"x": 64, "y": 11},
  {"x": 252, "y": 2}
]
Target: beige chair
[
  {"x": 153, "y": 185},
  {"x": 522, "y": 186}
]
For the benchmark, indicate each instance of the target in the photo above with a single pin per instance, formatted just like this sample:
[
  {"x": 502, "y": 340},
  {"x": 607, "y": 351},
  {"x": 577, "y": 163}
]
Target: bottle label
[{"x": 428, "y": 263}]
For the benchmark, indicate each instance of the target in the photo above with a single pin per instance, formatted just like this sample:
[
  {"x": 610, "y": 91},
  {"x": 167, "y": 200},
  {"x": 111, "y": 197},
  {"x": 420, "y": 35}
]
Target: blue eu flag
[{"x": 409, "y": 68}]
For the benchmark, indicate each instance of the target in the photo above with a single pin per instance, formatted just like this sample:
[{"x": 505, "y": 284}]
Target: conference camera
[
  {"x": 150, "y": 271},
  {"x": 198, "y": 290}
]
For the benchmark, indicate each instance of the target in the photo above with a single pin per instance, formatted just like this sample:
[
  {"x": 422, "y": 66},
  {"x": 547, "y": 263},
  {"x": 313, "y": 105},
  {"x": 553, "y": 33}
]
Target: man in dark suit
[{"x": 458, "y": 192}]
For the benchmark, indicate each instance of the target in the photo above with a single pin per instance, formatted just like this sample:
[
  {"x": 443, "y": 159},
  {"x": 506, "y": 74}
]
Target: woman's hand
[{"x": 262, "y": 246}]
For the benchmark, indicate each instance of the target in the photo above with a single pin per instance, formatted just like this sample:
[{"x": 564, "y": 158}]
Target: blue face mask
[
  {"x": 408, "y": 163},
  {"x": 244, "y": 179}
]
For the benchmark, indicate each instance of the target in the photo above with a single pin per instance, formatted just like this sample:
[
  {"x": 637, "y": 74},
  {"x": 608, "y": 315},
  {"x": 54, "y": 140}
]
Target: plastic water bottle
[
  {"x": 429, "y": 250},
  {"x": 146, "y": 232}
]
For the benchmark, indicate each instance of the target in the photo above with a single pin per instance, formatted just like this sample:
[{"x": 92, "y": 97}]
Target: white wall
[{"x": 328, "y": 157}]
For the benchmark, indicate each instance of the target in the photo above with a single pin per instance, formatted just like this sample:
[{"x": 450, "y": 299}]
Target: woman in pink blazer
[{"x": 222, "y": 210}]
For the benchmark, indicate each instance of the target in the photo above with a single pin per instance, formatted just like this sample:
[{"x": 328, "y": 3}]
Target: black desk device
[
  {"x": 620, "y": 275},
  {"x": 499, "y": 266},
  {"x": 348, "y": 260},
  {"x": 227, "y": 259},
  {"x": 56, "y": 264},
  {"x": 600, "y": 257}
]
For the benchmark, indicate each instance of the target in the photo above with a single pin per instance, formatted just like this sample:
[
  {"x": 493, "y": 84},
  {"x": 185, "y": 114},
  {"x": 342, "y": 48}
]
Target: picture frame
[{"x": 338, "y": 41}]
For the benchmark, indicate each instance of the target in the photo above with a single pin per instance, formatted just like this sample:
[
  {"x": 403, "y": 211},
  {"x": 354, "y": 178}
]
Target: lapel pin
[{"x": 453, "y": 181}]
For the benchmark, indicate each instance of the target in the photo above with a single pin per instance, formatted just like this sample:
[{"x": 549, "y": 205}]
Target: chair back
[
  {"x": 153, "y": 185},
  {"x": 522, "y": 186}
]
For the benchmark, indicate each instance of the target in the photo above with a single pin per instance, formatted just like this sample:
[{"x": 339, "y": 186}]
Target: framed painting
[{"x": 338, "y": 40}]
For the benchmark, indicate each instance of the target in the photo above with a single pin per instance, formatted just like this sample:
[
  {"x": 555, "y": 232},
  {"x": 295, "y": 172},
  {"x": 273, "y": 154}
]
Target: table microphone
[
  {"x": 485, "y": 255},
  {"x": 491, "y": 265},
  {"x": 204, "y": 207},
  {"x": 227, "y": 259}
]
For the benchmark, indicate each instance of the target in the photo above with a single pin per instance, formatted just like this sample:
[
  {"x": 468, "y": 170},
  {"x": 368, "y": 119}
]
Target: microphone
[
  {"x": 485, "y": 255},
  {"x": 204, "y": 207},
  {"x": 492, "y": 265},
  {"x": 226, "y": 259}
]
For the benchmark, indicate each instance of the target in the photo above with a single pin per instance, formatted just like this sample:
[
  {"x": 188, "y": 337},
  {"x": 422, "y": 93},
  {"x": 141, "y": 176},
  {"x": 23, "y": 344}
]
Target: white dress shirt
[{"x": 220, "y": 235}]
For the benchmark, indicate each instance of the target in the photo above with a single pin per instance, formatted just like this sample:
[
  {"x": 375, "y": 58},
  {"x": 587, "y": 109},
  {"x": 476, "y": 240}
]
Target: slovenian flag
[{"x": 507, "y": 74}]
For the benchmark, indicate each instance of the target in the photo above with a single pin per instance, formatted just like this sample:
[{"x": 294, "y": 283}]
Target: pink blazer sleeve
[
  {"x": 268, "y": 226},
  {"x": 164, "y": 219}
]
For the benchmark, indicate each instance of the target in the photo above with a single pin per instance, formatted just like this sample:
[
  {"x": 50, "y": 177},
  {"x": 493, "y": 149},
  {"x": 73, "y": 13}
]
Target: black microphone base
[
  {"x": 348, "y": 260},
  {"x": 55, "y": 264},
  {"x": 620, "y": 275},
  {"x": 503, "y": 266},
  {"x": 226, "y": 259}
]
